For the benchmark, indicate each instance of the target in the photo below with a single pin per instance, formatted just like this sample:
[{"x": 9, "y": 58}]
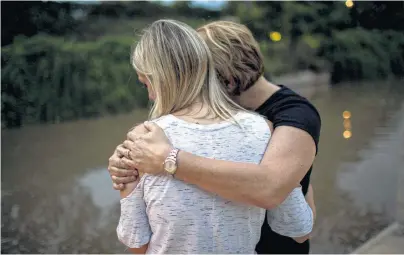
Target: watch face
[{"x": 170, "y": 166}]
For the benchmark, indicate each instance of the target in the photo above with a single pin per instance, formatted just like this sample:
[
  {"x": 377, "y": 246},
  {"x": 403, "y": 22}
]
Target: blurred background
[{"x": 69, "y": 95}]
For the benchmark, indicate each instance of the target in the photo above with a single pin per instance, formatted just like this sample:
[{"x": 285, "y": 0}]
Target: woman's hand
[
  {"x": 121, "y": 169},
  {"x": 150, "y": 150}
]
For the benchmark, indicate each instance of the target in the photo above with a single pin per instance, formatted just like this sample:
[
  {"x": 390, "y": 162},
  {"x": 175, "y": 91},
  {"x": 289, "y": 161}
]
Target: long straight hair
[{"x": 178, "y": 64}]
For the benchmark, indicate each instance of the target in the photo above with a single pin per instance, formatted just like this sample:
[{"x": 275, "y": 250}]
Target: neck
[
  {"x": 255, "y": 96},
  {"x": 196, "y": 110}
]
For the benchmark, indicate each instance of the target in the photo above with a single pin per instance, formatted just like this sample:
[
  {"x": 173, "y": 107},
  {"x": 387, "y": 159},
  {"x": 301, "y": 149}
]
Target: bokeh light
[
  {"x": 349, "y": 3},
  {"x": 347, "y": 124},
  {"x": 347, "y": 134},
  {"x": 275, "y": 36},
  {"x": 346, "y": 114}
]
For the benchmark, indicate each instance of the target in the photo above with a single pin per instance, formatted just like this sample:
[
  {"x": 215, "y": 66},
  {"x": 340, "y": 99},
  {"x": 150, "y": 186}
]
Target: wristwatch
[{"x": 170, "y": 163}]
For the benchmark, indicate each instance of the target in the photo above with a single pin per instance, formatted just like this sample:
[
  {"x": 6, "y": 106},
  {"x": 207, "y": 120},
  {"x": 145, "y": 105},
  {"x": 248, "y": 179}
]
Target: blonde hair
[
  {"x": 178, "y": 64},
  {"x": 237, "y": 56}
]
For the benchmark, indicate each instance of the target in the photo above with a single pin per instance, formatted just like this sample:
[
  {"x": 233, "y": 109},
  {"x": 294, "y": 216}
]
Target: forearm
[
  {"x": 287, "y": 159},
  {"x": 241, "y": 182},
  {"x": 124, "y": 193}
]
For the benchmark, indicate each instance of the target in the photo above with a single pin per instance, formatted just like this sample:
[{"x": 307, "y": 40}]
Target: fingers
[
  {"x": 132, "y": 136},
  {"x": 118, "y": 186},
  {"x": 136, "y": 132},
  {"x": 129, "y": 164},
  {"x": 122, "y": 151},
  {"x": 128, "y": 144},
  {"x": 151, "y": 126},
  {"x": 123, "y": 180},
  {"x": 121, "y": 163},
  {"x": 115, "y": 161},
  {"x": 115, "y": 156},
  {"x": 119, "y": 172}
]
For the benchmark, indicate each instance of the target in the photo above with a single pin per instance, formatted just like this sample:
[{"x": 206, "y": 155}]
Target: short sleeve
[
  {"x": 134, "y": 229},
  {"x": 286, "y": 108},
  {"x": 292, "y": 218},
  {"x": 302, "y": 115}
]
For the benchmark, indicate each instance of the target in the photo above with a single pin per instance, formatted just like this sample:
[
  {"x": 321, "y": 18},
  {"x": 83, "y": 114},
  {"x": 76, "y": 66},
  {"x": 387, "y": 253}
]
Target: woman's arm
[
  {"x": 310, "y": 201},
  {"x": 294, "y": 217},
  {"x": 133, "y": 228},
  {"x": 287, "y": 159}
]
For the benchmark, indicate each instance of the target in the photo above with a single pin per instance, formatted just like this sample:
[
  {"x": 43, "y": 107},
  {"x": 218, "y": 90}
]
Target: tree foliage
[
  {"x": 64, "y": 60},
  {"x": 47, "y": 79}
]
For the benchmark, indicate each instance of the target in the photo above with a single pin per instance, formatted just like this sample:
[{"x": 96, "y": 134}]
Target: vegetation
[
  {"x": 46, "y": 79},
  {"x": 64, "y": 61},
  {"x": 359, "y": 54}
]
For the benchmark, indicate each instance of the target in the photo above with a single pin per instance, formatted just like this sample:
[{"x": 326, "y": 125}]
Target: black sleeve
[
  {"x": 299, "y": 113},
  {"x": 286, "y": 108}
]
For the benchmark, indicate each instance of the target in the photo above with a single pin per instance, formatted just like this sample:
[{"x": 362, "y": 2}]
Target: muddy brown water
[{"x": 57, "y": 195}]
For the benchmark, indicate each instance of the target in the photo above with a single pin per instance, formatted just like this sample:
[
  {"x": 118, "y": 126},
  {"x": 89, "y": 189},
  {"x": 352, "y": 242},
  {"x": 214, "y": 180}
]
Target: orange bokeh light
[
  {"x": 346, "y": 114},
  {"x": 347, "y": 134}
]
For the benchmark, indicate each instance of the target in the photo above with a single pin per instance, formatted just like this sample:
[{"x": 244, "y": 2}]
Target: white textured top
[{"x": 176, "y": 217}]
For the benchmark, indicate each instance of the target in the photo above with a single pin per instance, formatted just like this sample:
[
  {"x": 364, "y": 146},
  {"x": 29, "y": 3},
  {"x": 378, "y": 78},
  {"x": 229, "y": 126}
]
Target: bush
[
  {"x": 358, "y": 54},
  {"x": 48, "y": 79}
]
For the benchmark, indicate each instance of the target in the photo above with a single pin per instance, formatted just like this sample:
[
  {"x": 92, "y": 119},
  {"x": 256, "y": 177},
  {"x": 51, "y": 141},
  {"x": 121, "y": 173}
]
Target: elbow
[
  {"x": 270, "y": 198},
  {"x": 269, "y": 201},
  {"x": 305, "y": 235},
  {"x": 126, "y": 236},
  {"x": 302, "y": 239},
  {"x": 269, "y": 194},
  {"x": 133, "y": 237},
  {"x": 123, "y": 236},
  {"x": 306, "y": 232}
]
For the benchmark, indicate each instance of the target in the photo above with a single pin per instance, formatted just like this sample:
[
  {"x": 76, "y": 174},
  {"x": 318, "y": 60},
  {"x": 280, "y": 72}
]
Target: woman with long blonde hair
[{"x": 161, "y": 214}]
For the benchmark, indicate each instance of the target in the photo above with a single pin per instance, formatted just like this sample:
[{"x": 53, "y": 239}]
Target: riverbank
[{"x": 389, "y": 241}]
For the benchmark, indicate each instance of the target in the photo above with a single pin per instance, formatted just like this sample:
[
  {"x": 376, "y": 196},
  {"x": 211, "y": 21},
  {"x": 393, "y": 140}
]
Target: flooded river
[{"x": 57, "y": 196}]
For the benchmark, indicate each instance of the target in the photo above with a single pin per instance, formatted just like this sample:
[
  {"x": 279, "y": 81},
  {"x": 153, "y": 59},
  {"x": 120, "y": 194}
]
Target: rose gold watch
[{"x": 170, "y": 164}]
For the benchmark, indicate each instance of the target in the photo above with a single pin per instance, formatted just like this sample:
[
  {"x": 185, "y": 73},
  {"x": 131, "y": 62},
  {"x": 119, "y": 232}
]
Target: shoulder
[
  {"x": 163, "y": 121},
  {"x": 255, "y": 121},
  {"x": 287, "y": 108},
  {"x": 251, "y": 118}
]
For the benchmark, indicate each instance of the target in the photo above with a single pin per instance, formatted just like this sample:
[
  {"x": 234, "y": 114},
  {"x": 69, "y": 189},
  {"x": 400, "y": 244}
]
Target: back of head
[
  {"x": 178, "y": 64},
  {"x": 236, "y": 54}
]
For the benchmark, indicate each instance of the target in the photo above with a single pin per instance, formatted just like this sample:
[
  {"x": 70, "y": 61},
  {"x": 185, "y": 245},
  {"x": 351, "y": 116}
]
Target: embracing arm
[{"x": 288, "y": 158}]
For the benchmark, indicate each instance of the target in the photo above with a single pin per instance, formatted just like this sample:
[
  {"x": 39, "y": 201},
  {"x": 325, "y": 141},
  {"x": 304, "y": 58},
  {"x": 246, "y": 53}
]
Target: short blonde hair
[
  {"x": 236, "y": 54},
  {"x": 178, "y": 64}
]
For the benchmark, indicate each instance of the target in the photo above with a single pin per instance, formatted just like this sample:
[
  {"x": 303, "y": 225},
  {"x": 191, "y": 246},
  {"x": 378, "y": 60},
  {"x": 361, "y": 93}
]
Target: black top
[{"x": 287, "y": 108}]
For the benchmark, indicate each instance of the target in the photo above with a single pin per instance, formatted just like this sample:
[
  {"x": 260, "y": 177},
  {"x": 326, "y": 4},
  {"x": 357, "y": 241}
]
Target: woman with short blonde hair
[{"x": 238, "y": 60}]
